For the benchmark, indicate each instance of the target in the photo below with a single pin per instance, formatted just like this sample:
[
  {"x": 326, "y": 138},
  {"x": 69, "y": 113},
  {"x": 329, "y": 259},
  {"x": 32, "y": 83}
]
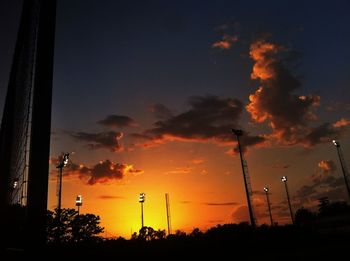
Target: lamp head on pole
[
  {"x": 266, "y": 189},
  {"x": 336, "y": 143},
  {"x": 237, "y": 132},
  {"x": 142, "y": 197},
  {"x": 79, "y": 200},
  {"x": 284, "y": 179},
  {"x": 64, "y": 161}
]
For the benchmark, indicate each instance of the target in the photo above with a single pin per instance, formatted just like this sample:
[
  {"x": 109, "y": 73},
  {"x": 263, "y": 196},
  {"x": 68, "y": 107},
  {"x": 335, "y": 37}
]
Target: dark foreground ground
[{"x": 266, "y": 244}]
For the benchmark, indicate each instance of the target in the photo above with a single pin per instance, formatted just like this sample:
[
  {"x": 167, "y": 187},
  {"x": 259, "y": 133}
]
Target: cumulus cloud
[
  {"x": 276, "y": 103},
  {"x": 102, "y": 172},
  {"x": 106, "y": 140},
  {"x": 106, "y": 171},
  {"x": 209, "y": 119},
  {"x": 119, "y": 121}
]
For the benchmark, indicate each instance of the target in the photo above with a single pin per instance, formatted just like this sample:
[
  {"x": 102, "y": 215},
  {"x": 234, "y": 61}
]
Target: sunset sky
[{"x": 145, "y": 94}]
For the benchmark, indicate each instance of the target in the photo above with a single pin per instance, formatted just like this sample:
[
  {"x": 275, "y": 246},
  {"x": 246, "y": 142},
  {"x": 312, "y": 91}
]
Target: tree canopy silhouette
[{"x": 72, "y": 227}]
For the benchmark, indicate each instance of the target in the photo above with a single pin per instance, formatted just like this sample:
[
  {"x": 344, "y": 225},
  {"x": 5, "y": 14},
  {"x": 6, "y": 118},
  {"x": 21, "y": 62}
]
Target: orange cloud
[
  {"x": 274, "y": 101},
  {"x": 226, "y": 42},
  {"x": 327, "y": 165},
  {"x": 262, "y": 53},
  {"x": 102, "y": 172},
  {"x": 341, "y": 123},
  {"x": 197, "y": 161},
  {"x": 184, "y": 170}
]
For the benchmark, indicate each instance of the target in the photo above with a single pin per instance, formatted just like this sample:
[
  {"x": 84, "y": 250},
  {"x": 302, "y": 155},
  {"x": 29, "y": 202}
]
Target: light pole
[
  {"x": 248, "y": 192},
  {"x": 266, "y": 189},
  {"x": 79, "y": 202},
  {"x": 142, "y": 200},
  {"x": 284, "y": 180},
  {"x": 343, "y": 165},
  {"x": 60, "y": 166}
]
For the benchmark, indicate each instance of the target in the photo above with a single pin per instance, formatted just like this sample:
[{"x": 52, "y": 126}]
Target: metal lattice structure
[
  {"x": 26, "y": 121},
  {"x": 246, "y": 178}
]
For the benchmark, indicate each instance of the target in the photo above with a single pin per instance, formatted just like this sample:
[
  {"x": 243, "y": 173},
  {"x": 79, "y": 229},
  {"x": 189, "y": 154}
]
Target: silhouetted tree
[
  {"x": 159, "y": 234},
  {"x": 305, "y": 218},
  {"x": 196, "y": 232},
  {"x": 72, "y": 227},
  {"x": 323, "y": 204},
  {"x": 148, "y": 234},
  {"x": 334, "y": 209},
  {"x": 85, "y": 227},
  {"x": 179, "y": 233}
]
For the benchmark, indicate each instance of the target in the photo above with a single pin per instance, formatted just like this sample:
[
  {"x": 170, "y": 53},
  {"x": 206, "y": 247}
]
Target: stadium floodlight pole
[
  {"x": 343, "y": 166},
  {"x": 239, "y": 133},
  {"x": 266, "y": 189},
  {"x": 60, "y": 166},
  {"x": 142, "y": 200},
  {"x": 284, "y": 180},
  {"x": 79, "y": 202}
]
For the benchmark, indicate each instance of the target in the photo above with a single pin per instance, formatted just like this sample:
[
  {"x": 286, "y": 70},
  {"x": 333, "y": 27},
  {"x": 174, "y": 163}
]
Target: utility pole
[
  {"x": 266, "y": 189},
  {"x": 343, "y": 166},
  {"x": 168, "y": 212},
  {"x": 247, "y": 184},
  {"x": 284, "y": 180}
]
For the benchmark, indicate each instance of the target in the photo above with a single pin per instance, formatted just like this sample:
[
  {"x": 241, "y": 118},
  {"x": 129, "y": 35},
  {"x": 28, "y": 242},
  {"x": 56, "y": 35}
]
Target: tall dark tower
[{"x": 26, "y": 122}]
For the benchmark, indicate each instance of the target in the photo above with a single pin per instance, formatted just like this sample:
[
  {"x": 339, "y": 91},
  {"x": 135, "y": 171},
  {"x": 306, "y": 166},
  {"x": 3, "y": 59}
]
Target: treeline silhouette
[{"x": 321, "y": 234}]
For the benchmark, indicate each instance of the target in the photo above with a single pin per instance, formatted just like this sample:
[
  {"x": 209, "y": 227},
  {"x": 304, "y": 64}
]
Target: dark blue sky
[{"x": 108, "y": 52}]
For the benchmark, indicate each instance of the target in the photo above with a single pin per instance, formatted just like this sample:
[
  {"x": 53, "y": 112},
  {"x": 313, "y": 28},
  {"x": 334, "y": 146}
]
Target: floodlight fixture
[
  {"x": 336, "y": 143},
  {"x": 284, "y": 179},
  {"x": 142, "y": 197},
  {"x": 266, "y": 189},
  {"x": 237, "y": 132},
  {"x": 15, "y": 183},
  {"x": 79, "y": 200}
]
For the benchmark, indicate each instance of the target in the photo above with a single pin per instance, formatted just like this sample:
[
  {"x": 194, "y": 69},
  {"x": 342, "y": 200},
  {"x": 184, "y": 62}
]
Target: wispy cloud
[
  {"x": 226, "y": 42},
  {"x": 221, "y": 203},
  {"x": 341, "y": 123},
  {"x": 184, "y": 170},
  {"x": 197, "y": 161},
  {"x": 119, "y": 121},
  {"x": 110, "y": 197},
  {"x": 100, "y": 140}
]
